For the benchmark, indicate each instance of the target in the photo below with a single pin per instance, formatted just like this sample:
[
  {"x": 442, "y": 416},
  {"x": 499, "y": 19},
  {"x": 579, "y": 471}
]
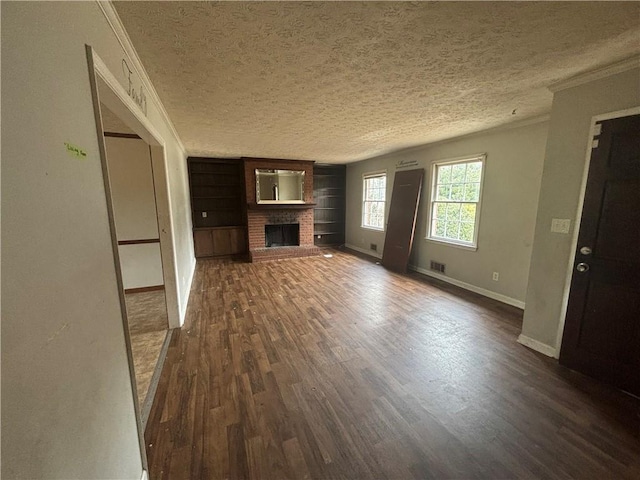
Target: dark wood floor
[{"x": 336, "y": 368}]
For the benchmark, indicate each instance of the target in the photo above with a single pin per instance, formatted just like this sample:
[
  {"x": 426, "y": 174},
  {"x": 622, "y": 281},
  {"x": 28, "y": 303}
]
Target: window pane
[
  {"x": 373, "y": 214},
  {"x": 457, "y": 192},
  {"x": 444, "y": 174},
  {"x": 444, "y": 192},
  {"x": 453, "y": 211},
  {"x": 466, "y": 232},
  {"x": 468, "y": 212},
  {"x": 438, "y": 228},
  {"x": 452, "y": 230},
  {"x": 474, "y": 171},
  {"x": 440, "y": 211},
  {"x": 458, "y": 173},
  {"x": 472, "y": 192}
]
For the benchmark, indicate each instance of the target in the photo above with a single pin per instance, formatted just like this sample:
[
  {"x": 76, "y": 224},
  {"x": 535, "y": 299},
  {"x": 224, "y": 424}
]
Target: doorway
[
  {"x": 135, "y": 216},
  {"x": 602, "y": 326}
]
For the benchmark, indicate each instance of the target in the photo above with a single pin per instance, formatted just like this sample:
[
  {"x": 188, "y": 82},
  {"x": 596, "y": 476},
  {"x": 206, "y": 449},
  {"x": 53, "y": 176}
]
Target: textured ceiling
[{"x": 343, "y": 81}]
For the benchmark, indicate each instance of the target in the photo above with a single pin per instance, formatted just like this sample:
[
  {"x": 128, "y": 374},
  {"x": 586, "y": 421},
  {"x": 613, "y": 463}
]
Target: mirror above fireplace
[{"x": 279, "y": 186}]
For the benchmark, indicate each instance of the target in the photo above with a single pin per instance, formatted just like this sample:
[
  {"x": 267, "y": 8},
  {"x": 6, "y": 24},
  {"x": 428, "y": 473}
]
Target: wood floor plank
[{"x": 337, "y": 368}]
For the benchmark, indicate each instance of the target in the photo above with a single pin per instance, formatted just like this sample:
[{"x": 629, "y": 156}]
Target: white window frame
[
  {"x": 434, "y": 179},
  {"x": 380, "y": 173}
]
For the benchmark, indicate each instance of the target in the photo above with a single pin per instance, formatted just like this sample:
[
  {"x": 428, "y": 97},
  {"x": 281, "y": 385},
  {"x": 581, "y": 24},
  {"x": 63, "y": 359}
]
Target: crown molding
[
  {"x": 113, "y": 19},
  {"x": 597, "y": 74}
]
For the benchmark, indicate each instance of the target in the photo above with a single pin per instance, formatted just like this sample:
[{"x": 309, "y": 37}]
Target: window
[
  {"x": 455, "y": 201},
  {"x": 375, "y": 190}
]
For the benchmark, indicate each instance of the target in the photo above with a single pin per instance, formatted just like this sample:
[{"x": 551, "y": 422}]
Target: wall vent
[
  {"x": 438, "y": 267},
  {"x": 373, "y": 246}
]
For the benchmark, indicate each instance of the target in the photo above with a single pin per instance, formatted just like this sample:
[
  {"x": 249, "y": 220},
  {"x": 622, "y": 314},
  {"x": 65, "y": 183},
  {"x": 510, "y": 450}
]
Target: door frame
[
  {"x": 109, "y": 91},
  {"x": 105, "y": 88},
  {"x": 578, "y": 219}
]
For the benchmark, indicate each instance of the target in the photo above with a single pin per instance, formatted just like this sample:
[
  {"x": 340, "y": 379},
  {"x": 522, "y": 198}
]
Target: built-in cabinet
[
  {"x": 218, "y": 206},
  {"x": 329, "y": 195}
]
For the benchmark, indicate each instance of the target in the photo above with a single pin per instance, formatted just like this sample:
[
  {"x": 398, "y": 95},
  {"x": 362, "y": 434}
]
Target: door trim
[
  {"x": 577, "y": 221},
  {"x": 93, "y": 83},
  {"x": 117, "y": 99}
]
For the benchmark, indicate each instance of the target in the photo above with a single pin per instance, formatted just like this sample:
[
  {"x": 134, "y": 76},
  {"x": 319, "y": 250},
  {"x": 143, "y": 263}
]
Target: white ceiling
[{"x": 343, "y": 81}]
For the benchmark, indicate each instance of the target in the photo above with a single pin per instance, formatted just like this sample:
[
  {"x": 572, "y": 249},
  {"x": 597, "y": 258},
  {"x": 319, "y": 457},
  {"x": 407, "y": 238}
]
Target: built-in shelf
[
  {"x": 217, "y": 190},
  {"x": 329, "y": 191}
]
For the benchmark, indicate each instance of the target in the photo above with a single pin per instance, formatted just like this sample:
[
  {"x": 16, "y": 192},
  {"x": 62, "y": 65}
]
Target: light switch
[
  {"x": 560, "y": 225},
  {"x": 204, "y": 214}
]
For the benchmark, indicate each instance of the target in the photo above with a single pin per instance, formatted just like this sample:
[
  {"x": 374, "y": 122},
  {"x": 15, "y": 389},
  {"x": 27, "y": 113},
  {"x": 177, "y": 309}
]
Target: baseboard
[
  {"x": 472, "y": 288},
  {"x": 371, "y": 253},
  {"x": 543, "y": 348},
  {"x": 145, "y": 408},
  {"x": 151, "y": 288},
  {"x": 183, "y": 306}
]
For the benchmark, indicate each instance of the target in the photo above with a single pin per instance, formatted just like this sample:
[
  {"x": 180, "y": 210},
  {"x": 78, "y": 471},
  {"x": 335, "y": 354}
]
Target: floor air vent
[{"x": 438, "y": 267}]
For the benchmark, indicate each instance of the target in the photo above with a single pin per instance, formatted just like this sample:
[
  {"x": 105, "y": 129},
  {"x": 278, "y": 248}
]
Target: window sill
[
  {"x": 373, "y": 229},
  {"x": 448, "y": 243}
]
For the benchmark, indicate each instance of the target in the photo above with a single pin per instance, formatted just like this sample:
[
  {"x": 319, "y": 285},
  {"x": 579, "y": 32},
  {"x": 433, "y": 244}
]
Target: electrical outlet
[
  {"x": 495, "y": 276},
  {"x": 204, "y": 214},
  {"x": 374, "y": 247}
]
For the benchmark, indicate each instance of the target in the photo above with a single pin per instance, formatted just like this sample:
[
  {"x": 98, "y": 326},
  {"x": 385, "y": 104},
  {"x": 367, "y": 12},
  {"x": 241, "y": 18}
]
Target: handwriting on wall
[
  {"x": 137, "y": 95},
  {"x": 75, "y": 151},
  {"x": 406, "y": 163}
]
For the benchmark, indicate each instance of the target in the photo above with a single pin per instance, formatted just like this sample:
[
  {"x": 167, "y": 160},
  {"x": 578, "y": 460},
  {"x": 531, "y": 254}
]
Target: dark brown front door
[
  {"x": 602, "y": 328},
  {"x": 405, "y": 196}
]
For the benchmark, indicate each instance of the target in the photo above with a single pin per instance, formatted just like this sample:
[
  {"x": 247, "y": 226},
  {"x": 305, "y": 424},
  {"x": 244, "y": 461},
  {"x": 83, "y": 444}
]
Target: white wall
[
  {"x": 134, "y": 201},
  {"x": 141, "y": 265},
  {"x": 565, "y": 157},
  {"x": 512, "y": 179},
  {"x": 67, "y": 401},
  {"x": 134, "y": 210}
]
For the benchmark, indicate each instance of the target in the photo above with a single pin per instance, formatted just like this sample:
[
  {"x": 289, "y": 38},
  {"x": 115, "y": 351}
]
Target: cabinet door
[
  {"x": 238, "y": 240},
  {"x": 221, "y": 241},
  {"x": 203, "y": 243}
]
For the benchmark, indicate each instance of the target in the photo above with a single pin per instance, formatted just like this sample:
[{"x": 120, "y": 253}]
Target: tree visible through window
[
  {"x": 375, "y": 188},
  {"x": 455, "y": 201}
]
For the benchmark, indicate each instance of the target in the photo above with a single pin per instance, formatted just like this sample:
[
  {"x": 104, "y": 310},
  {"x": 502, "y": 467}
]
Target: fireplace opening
[{"x": 282, "y": 235}]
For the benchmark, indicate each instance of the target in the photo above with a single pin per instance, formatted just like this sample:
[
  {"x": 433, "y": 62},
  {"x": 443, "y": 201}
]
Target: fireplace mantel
[{"x": 280, "y": 206}]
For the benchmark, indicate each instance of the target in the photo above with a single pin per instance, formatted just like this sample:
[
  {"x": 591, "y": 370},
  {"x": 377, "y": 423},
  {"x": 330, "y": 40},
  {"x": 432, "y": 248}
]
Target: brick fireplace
[{"x": 259, "y": 215}]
